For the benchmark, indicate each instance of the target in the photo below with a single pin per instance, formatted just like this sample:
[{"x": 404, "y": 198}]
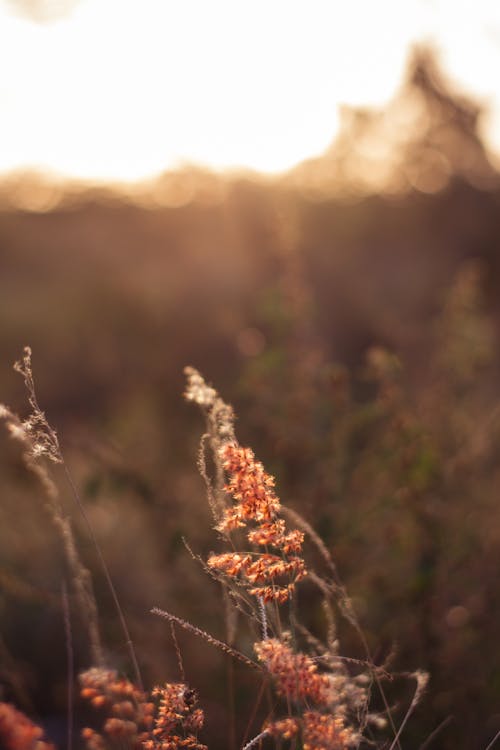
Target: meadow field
[{"x": 354, "y": 328}]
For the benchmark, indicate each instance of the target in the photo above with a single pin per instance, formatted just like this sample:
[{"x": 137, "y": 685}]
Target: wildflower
[
  {"x": 265, "y": 567},
  {"x": 250, "y": 485},
  {"x": 136, "y": 721},
  {"x": 230, "y": 563},
  {"x": 296, "y": 675},
  {"x": 326, "y": 732},
  {"x": 268, "y": 533},
  {"x": 284, "y": 728},
  {"x": 177, "y": 719},
  {"x": 273, "y": 534},
  {"x": 256, "y": 502},
  {"x": 319, "y": 731},
  {"x": 292, "y": 542},
  {"x": 17, "y": 732},
  {"x": 279, "y": 594},
  {"x": 128, "y": 715}
]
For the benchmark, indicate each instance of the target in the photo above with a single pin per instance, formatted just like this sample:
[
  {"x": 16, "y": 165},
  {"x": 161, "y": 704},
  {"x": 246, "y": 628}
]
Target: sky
[{"x": 121, "y": 90}]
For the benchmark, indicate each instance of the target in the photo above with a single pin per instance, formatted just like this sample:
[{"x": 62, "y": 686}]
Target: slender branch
[
  {"x": 421, "y": 679},
  {"x": 70, "y": 664},
  {"x": 495, "y": 738},
  {"x": 206, "y": 636},
  {"x": 256, "y": 739},
  {"x": 107, "y": 575},
  {"x": 438, "y": 729}
]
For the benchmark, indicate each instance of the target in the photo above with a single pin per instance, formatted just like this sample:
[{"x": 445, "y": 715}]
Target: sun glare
[{"x": 122, "y": 90}]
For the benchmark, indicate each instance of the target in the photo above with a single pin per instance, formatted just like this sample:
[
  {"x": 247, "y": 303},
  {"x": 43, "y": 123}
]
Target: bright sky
[{"x": 122, "y": 89}]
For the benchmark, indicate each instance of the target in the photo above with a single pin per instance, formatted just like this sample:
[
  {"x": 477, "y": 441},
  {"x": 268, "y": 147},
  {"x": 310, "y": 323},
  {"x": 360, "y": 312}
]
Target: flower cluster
[
  {"x": 319, "y": 731},
  {"x": 128, "y": 716},
  {"x": 17, "y": 732},
  {"x": 296, "y": 675},
  {"x": 168, "y": 721},
  {"x": 323, "y": 725},
  {"x": 325, "y": 732},
  {"x": 252, "y": 489},
  {"x": 177, "y": 719},
  {"x": 283, "y": 729},
  {"x": 250, "y": 486}
]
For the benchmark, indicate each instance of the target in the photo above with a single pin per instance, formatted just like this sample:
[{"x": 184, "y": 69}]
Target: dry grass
[{"x": 317, "y": 699}]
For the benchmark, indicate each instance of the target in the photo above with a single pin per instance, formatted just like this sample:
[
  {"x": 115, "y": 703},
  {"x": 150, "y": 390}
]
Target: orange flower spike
[
  {"x": 296, "y": 567},
  {"x": 249, "y": 484},
  {"x": 296, "y": 675},
  {"x": 230, "y": 563},
  {"x": 292, "y": 542},
  {"x": 176, "y": 710},
  {"x": 279, "y": 594},
  {"x": 232, "y": 519},
  {"x": 326, "y": 732},
  {"x": 266, "y": 566},
  {"x": 268, "y": 533},
  {"x": 284, "y": 728},
  {"x": 255, "y": 500}
]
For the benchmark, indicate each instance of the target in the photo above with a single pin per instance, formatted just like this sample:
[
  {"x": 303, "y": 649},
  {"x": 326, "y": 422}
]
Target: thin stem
[
  {"x": 178, "y": 654},
  {"x": 421, "y": 680},
  {"x": 232, "y": 706},
  {"x": 256, "y": 739},
  {"x": 438, "y": 729},
  {"x": 495, "y": 738},
  {"x": 207, "y": 637},
  {"x": 107, "y": 575},
  {"x": 70, "y": 663},
  {"x": 255, "y": 709}
]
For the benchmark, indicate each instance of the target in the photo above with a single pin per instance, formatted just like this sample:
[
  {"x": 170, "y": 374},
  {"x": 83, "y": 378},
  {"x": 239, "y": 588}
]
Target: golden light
[{"x": 122, "y": 89}]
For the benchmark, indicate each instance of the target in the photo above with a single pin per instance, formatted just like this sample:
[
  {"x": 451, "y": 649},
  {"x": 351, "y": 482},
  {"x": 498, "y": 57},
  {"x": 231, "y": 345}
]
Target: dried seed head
[{"x": 17, "y": 732}]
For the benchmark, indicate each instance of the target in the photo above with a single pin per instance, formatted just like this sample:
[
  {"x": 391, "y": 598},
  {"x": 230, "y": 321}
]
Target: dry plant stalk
[
  {"x": 39, "y": 442},
  {"x": 165, "y": 719},
  {"x": 320, "y": 704},
  {"x": 325, "y": 706}
]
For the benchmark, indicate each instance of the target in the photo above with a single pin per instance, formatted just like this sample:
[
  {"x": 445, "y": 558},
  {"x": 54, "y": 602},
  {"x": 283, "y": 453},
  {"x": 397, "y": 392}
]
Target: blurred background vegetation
[{"x": 350, "y": 311}]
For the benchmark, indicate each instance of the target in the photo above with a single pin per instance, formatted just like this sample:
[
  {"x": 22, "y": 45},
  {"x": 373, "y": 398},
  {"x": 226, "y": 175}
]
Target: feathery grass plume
[
  {"x": 320, "y": 699},
  {"x": 44, "y": 438},
  {"x": 38, "y": 441},
  {"x": 206, "y": 637},
  {"x": 268, "y": 576},
  {"x": 326, "y": 697},
  {"x": 17, "y": 732},
  {"x": 296, "y": 676},
  {"x": 326, "y": 705},
  {"x": 219, "y": 418},
  {"x": 256, "y": 502}
]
